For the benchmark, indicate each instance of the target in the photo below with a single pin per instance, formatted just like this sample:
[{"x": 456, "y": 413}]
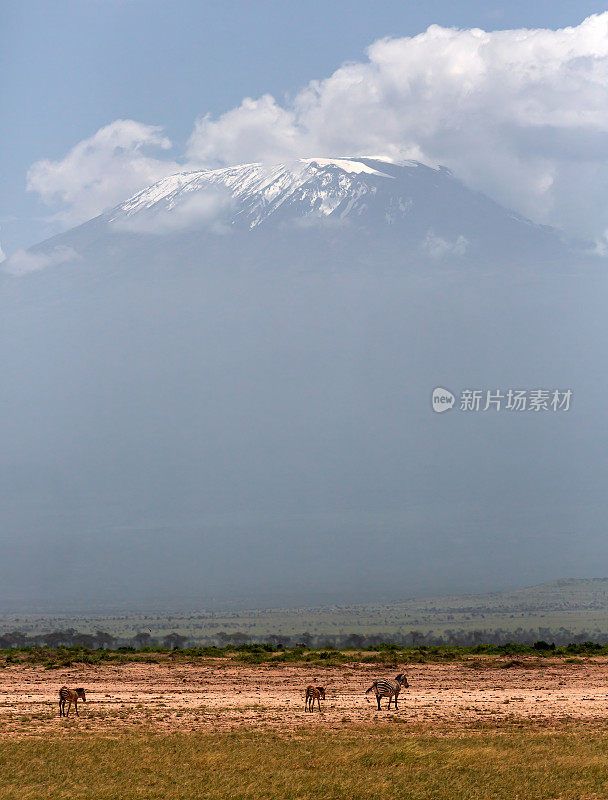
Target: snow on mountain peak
[
  {"x": 256, "y": 192},
  {"x": 346, "y": 164},
  {"x": 425, "y": 207}
]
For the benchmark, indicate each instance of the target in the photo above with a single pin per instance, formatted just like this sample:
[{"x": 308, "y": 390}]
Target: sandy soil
[{"x": 221, "y": 695}]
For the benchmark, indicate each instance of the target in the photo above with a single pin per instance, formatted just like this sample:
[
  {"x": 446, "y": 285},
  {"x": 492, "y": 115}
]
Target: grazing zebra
[
  {"x": 314, "y": 693},
  {"x": 71, "y": 695},
  {"x": 386, "y": 688}
]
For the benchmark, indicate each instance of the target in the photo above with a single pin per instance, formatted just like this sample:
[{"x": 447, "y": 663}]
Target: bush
[{"x": 251, "y": 647}]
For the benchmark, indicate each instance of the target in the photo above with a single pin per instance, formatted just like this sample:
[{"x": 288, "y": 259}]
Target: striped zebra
[
  {"x": 314, "y": 693},
  {"x": 70, "y": 696},
  {"x": 386, "y": 688}
]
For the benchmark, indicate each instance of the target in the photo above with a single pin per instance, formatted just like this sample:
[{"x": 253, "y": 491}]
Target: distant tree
[
  {"x": 175, "y": 641},
  {"x": 68, "y": 637},
  {"x": 54, "y": 639},
  {"x": 417, "y": 637},
  {"x": 354, "y": 640},
  {"x": 84, "y": 640},
  {"x": 104, "y": 640},
  {"x": 16, "y": 639},
  {"x": 327, "y": 641},
  {"x": 451, "y": 636},
  {"x": 142, "y": 639}
]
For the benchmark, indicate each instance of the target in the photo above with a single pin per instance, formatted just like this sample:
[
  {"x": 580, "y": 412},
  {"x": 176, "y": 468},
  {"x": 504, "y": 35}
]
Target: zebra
[
  {"x": 386, "y": 688},
  {"x": 314, "y": 693},
  {"x": 71, "y": 695}
]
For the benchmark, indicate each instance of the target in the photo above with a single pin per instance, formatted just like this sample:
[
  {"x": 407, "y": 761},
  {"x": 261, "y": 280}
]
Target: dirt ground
[{"x": 221, "y": 695}]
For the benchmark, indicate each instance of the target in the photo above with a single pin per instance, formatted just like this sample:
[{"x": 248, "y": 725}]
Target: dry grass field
[
  {"x": 482, "y": 727},
  {"x": 358, "y": 763}
]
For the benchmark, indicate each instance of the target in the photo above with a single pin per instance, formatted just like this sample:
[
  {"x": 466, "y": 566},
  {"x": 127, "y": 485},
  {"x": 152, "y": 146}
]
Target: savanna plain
[{"x": 233, "y": 725}]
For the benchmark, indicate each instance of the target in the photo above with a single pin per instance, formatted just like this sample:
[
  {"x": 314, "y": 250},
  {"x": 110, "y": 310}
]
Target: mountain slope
[{"x": 222, "y": 387}]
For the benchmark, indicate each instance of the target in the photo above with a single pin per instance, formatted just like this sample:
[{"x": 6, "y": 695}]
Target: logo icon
[{"x": 442, "y": 400}]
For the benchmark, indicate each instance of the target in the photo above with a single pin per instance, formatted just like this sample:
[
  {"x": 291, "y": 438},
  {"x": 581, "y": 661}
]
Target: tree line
[{"x": 102, "y": 640}]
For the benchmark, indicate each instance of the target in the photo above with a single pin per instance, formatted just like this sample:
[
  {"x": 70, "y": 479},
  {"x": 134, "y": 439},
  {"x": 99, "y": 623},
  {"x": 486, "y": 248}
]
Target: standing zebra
[
  {"x": 386, "y": 688},
  {"x": 71, "y": 696},
  {"x": 314, "y": 693}
]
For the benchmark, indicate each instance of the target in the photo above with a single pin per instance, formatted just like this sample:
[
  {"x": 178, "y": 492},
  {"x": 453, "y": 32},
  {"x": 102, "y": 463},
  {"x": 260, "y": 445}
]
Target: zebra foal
[
  {"x": 314, "y": 693},
  {"x": 387, "y": 688},
  {"x": 70, "y": 696}
]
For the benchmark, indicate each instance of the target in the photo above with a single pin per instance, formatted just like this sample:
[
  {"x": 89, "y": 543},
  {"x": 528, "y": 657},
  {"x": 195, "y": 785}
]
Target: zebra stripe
[
  {"x": 387, "y": 688},
  {"x": 70, "y": 696},
  {"x": 314, "y": 693}
]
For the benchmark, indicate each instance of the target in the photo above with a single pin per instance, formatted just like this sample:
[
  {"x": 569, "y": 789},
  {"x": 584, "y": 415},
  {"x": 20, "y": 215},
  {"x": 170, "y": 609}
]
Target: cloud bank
[
  {"x": 202, "y": 209},
  {"x": 519, "y": 114},
  {"x": 437, "y": 248},
  {"x": 23, "y": 262},
  {"x": 101, "y": 171}
]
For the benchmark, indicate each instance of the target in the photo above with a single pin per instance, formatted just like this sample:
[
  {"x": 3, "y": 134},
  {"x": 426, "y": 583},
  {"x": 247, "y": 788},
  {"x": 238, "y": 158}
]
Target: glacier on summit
[{"x": 318, "y": 186}]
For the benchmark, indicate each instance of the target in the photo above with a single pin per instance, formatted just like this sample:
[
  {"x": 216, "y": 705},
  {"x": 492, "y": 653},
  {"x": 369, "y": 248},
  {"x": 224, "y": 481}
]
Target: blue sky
[{"x": 70, "y": 67}]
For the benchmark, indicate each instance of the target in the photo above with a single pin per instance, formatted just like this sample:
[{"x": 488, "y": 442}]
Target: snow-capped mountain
[
  {"x": 430, "y": 210},
  {"x": 257, "y": 194},
  {"x": 306, "y": 214}
]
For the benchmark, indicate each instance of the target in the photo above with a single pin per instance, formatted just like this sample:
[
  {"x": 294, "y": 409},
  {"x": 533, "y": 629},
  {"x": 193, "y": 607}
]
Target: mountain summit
[
  {"x": 427, "y": 208},
  {"x": 307, "y": 214},
  {"x": 257, "y": 194}
]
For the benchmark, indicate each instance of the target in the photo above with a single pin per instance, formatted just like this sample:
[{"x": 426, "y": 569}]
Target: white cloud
[
  {"x": 23, "y": 262},
  {"x": 437, "y": 248},
  {"x": 101, "y": 171},
  {"x": 258, "y": 130},
  {"x": 519, "y": 114},
  {"x": 2, "y": 255},
  {"x": 203, "y": 209}
]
